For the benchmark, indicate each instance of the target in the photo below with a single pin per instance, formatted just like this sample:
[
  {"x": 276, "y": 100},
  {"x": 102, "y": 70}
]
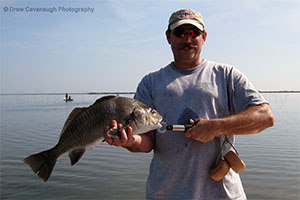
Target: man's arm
[
  {"x": 249, "y": 121},
  {"x": 134, "y": 143}
]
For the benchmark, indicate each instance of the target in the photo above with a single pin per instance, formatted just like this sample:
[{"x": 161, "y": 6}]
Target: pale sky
[{"x": 112, "y": 45}]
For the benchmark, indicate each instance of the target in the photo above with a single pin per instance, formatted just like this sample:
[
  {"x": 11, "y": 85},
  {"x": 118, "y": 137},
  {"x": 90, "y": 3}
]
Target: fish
[{"x": 85, "y": 128}]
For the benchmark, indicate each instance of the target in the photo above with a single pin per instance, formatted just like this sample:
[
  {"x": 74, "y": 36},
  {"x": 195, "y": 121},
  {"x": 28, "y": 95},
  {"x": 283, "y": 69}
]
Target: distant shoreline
[
  {"x": 279, "y": 91},
  {"x": 69, "y": 93},
  {"x": 124, "y": 93}
]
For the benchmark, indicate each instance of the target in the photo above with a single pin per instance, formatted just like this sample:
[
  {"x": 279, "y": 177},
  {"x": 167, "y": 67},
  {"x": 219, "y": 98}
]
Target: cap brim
[{"x": 187, "y": 21}]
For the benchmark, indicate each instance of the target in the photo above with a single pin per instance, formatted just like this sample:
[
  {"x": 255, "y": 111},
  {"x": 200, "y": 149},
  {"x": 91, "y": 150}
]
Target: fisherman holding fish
[{"x": 216, "y": 98}]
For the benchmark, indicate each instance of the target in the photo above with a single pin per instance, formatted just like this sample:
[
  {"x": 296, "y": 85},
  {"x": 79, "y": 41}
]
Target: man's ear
[
  {"x": 204, "y": 35},
  {"x": 168, "y": 35}
]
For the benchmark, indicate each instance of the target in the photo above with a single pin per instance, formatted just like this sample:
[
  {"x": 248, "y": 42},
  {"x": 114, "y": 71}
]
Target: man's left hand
[{"x": 204, "y": 131}]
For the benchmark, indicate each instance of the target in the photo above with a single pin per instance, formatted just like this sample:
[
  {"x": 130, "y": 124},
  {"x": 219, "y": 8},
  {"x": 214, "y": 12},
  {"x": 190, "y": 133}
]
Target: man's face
[{"x": 186, "y": 43}]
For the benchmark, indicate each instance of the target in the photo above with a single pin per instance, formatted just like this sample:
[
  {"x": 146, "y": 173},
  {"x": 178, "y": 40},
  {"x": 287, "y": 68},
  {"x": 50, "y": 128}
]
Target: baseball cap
[{"x": 186, "y": 16}]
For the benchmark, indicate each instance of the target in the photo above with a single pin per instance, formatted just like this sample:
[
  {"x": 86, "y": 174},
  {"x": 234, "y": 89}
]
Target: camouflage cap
[{"x": 186, "y": 16}]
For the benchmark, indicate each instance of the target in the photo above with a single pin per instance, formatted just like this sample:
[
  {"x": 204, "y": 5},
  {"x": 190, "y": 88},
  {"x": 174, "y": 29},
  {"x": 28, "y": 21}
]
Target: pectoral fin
[{"x": 75, "y": 155}]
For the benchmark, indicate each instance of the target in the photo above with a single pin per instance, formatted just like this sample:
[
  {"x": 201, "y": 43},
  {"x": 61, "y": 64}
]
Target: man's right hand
[
  {"x": 135, "y": 143},
  {"x": 125, "y": 140}
]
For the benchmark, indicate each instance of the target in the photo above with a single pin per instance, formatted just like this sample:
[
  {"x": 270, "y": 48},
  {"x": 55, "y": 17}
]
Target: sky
[{"x": 109, "y": 45}]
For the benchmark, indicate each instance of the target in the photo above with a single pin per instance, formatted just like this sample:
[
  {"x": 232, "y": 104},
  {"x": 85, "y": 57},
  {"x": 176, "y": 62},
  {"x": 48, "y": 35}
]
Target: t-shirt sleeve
[
  {"x": 242, "y": 94},
  {"x": 143, "y": 92}
]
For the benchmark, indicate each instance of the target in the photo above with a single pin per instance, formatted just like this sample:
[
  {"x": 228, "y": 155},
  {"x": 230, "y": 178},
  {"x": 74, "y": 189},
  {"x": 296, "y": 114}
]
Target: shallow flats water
[{"x": 33, "y": 122}]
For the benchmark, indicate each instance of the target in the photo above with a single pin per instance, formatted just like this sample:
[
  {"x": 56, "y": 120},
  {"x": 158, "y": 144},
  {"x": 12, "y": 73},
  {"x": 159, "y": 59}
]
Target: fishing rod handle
[{"x": 180, "y": 127}]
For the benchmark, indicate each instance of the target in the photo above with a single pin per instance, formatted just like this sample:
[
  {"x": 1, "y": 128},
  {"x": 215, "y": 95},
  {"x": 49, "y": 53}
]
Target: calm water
[{"x": 30, "y": 124}]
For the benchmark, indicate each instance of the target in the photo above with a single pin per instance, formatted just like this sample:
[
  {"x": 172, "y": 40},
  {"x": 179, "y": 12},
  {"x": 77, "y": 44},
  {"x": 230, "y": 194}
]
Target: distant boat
[{"x": 67, "y": 98}]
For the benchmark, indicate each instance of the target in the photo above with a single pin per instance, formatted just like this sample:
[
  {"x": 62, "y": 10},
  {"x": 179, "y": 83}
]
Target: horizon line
[{"x": 118, "y": 93}]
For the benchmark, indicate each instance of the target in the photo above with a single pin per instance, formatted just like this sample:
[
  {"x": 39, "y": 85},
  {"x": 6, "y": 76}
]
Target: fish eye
[
  {"x": 149, "y": 110},
  {"x": 152, "y": 111}
]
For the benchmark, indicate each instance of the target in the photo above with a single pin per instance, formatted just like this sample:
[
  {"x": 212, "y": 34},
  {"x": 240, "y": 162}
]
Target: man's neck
[{"x": 187, "y": 65}]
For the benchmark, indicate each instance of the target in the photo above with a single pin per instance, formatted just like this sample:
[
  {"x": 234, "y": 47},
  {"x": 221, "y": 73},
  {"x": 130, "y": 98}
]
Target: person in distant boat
[
  {"x": 67, "y": 98},
  {"x": 220, "y": 100}
]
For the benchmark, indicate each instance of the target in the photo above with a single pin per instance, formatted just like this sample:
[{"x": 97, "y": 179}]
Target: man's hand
[
  {"x": 204, "y": 131},
  {"x": 249, "y": 121},
  {"x": 125, "y": 140}
]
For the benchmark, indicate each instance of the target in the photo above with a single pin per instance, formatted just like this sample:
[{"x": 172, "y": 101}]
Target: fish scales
[
  {"x": 85, "y": 128},
  {"x": 75, "y": 134}
]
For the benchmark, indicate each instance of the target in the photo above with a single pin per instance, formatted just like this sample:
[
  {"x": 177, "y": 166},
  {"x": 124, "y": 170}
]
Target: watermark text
[{"x": 54, "y": 9}]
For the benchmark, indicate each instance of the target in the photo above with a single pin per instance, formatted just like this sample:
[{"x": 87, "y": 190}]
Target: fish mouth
[{"x": 159, "y": 124}]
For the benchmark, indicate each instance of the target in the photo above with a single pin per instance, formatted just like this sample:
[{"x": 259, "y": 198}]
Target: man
[{"x": 222, "y": 100}]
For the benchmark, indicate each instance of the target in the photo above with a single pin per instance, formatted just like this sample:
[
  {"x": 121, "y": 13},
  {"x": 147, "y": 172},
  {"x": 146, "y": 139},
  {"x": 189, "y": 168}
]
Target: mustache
[{"x": 187, "y": 45}]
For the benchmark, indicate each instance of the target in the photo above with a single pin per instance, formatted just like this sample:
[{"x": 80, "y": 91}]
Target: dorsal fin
[
  {"x": 105, "y": 98},
  {"x": 75, "y": 112}
]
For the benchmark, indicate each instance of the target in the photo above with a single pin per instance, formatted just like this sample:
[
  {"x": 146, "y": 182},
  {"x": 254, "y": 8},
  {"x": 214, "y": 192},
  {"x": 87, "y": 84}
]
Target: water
[{"x": 33, "y": 123}]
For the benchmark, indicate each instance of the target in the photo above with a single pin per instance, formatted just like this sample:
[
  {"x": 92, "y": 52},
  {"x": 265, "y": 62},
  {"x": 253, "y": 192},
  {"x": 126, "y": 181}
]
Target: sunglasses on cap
[{"x": 181, "y": 33}]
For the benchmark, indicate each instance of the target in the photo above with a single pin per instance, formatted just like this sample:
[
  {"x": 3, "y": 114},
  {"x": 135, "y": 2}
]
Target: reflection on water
[{"x": 30, "y": 124}]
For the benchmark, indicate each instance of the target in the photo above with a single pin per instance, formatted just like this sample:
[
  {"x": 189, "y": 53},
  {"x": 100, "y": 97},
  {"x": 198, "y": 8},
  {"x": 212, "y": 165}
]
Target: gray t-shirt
[{"x": 180, "y": 166}]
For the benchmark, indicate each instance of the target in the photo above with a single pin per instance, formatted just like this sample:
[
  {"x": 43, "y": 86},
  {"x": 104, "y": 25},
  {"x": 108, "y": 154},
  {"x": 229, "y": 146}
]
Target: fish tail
[{"x": 41, "y": 163}]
